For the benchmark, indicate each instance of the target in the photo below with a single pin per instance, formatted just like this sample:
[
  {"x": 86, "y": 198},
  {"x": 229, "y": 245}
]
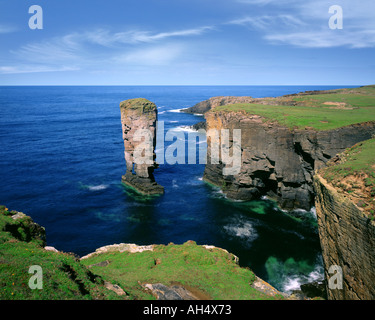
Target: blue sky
[{"x": 180, "y": 42}]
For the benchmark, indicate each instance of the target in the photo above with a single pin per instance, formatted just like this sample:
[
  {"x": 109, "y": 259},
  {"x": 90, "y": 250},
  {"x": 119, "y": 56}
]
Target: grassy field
[
  {"x": 213, "y": 273},
  {"x": 354, "y": 174},
  {"x": 323, "y": 111}
]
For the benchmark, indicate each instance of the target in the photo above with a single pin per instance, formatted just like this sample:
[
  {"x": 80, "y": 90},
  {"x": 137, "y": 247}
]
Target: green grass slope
[
  {"x": 63, "y": 276},
  {"x": 323, "y": 110},
  {"x": 211, "y": 273}
]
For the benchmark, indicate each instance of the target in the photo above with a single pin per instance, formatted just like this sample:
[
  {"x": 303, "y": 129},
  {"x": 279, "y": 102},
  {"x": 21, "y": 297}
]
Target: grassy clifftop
[
  {"x": 63, "y": 276},
  {"x": 353, "y": 173},
  {"x": 210, "y": 273},
  {"x": 140, "y": 104},
  {"x": 319, "y": 110},
  {"x": 207, "y": 272}
]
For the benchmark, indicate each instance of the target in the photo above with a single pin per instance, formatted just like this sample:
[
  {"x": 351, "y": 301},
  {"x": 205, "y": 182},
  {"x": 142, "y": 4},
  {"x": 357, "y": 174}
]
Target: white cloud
[
  {"x": 106, "y": 38},
  {"x": 326, "y": 39},
  {"x": 33, "y": 69},
  {"x": 267, "y": 21},
  {"x": 7, "y": 29},
  {"x": 311, "y": 18},
  {"x": 98, "y": 47},
  {"x": 160, "y": 55}
]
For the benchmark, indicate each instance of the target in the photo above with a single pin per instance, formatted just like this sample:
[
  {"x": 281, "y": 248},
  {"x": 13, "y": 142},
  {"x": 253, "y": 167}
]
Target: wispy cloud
[
  {"x": 87, "y": 48},
  {"x": 33, "y": 69},
  {"x": 150, "y": 56},
  {"x": 106, "y": 38},
  {"x": 311, "y": 18},
  {"x": 7, "y": 29},
  {"x": 326, "y": 39},
  {"x": 267, "y": 21}
]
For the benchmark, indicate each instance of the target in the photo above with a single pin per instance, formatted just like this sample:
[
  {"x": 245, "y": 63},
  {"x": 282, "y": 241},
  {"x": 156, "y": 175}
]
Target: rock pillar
[{"x": 138, "y": 119}]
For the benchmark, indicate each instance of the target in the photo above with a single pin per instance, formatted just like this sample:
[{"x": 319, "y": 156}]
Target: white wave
[
  {"x": 299, "y": 210},
  {"x": 243, "y": 230},
  {"x": 184, "y": 129},
  {"x": 291, "y": 284},
  {"x": 174, "y": 184},
  {"x": 194, "y": 182},
  {"x": 174, "y": 121},
  {"x": 199, "y": 114},
  {"x": 175, "y": 110},
  {"x": 161, "y": 112},
  {"x": 98, "y": 187},
  {"x": 294, "y": 282},
  {"x": 218, "y": 193}
]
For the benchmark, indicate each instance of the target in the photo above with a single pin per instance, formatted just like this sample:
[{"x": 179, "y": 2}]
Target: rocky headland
[
  {"x": 278, "y": 161},
  {"x": 137, "y": 115},
  {"x": 280, "y": 151}
]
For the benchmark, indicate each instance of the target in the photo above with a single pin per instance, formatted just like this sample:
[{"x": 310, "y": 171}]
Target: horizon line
[{"x": 177, "y": 85}]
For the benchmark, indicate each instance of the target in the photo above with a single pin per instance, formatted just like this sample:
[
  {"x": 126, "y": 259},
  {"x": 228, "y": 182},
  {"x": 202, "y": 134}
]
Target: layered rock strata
[
  {"x": 347, "y": 237},
  {"x": 276, "y": 160},
  {"x": 138, "y": 119}
]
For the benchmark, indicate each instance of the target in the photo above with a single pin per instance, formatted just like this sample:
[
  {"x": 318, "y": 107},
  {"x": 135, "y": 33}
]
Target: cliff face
[
  {"x": 138, "y": 119},
  {"x": 347, "y": 237},
  {"x": 276, "y": 160}
]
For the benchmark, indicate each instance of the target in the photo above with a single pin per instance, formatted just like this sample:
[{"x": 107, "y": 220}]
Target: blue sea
[{"x": 61, "y": 162}]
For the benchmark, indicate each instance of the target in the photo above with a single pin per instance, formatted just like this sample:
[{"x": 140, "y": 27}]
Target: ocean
[{"x": 61, "y": 162}]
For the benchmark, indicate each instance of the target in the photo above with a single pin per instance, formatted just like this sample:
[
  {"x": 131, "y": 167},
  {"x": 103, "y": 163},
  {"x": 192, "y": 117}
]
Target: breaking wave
[{"x": 98, "y": 187}]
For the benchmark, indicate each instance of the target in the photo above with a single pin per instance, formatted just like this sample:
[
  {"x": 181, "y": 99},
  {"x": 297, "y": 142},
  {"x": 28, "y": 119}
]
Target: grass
[
  {"x": 326, "y": 111},
  {"x": 140, "y": 104},
  {"x": 213, "y": 273},
  {"x": 354, "y": 174},
  {"x": 64, "y": 277}
]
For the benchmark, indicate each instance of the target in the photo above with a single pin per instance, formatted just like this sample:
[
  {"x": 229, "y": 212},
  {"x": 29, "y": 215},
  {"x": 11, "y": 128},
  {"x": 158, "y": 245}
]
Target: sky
[{"x": 187, "y": 42}]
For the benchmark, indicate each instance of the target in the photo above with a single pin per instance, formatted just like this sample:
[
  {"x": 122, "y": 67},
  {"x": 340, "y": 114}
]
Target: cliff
[
  {"x": 284, "y": 140},
  {"x": 138, "y": 119},
  {"x": 345, "y": 210},
  {"x": 276, "y": 160}
]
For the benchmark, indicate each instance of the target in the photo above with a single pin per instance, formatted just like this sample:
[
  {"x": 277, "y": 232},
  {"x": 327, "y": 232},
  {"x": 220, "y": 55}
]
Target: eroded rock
[
  {"x": 138, "y": 119},
  {"x": 276, "y": 160}
]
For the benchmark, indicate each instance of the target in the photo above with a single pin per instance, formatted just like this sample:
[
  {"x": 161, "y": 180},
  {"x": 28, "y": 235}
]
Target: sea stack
[{"x": 138, "y": 119}]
